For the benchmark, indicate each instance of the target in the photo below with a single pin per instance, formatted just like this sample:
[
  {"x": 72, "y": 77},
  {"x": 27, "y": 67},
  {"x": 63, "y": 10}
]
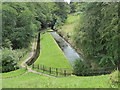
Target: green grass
[
  {"x": 49, "y": 30},
  {"x": 72, "y": 18},
  {"x": 31, "y": 80},
  {"x": 52, "y": 56},
  {"x": 114, "y": 79},
  {"x": 68, "y": 27},
  {"x": 50, "y": 53},
  {"x": 14, "y": 73},
  {"x": 0, "y": 81}
]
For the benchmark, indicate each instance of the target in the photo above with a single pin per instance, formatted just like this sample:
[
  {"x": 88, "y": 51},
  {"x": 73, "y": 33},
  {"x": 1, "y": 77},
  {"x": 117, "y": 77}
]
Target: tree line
[
  {"x": 97, "y": 35},
  {"x": 20, "y": 23}
]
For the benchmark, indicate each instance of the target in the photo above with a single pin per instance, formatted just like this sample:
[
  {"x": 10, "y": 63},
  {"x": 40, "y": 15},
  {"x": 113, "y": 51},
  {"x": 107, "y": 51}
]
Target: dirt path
[
  {"x": 23, "y": 64},
  {"x": 30, "y": 70}
]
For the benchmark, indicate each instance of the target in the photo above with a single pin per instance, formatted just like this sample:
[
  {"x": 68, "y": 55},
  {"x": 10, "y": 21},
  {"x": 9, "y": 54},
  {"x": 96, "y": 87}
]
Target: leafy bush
[
  {"x": 80, "y": 67},
  {"x": 9, "y": 59},
  {"x": 114, "y": 79},
  {"x": 6, "y": 43}
]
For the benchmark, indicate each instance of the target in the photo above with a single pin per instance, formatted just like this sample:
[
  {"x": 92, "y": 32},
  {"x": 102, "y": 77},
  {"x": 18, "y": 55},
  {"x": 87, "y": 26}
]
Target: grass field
[
  {"x": 32, "y": 80},
  {"x": 50, "y": 53}
]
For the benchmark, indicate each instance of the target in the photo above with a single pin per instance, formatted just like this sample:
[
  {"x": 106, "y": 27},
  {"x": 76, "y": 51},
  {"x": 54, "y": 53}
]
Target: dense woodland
[
  {"x": 97, "y": 35},
  {"x": 21, "y": 22}
]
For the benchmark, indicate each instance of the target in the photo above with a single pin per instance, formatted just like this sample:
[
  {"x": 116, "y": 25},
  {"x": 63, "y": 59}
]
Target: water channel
[{"x": 67, "y": 49}]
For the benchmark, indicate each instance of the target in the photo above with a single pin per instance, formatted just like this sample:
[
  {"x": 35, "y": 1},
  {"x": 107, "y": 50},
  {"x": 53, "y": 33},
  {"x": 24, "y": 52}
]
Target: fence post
[
  {"x": 56, "y": 71},
  {"x": 50, "y": 70},
  {"x": 15, "y": 68},
  {"x": 43, "y": 68},
  {"x": 38, "y": 66},
  {"x": 33, "y": 66},
  {"x": 26, "y": 67},
  {"x": 65, "y": 72}
]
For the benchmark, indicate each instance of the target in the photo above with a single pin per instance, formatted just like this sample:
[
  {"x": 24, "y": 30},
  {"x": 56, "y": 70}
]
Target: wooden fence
[
  {"x": 53, "y": 71},
  {"x": 67, "y": 71}
]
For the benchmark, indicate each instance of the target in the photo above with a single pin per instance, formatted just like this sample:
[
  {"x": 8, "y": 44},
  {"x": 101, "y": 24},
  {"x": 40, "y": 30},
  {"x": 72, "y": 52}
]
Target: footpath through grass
[
  {"x": 50, "y": 53},
  {"x": 23, "y": 58}
]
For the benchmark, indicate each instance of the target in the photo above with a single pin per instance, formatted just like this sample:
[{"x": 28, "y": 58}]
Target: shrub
[
  {"x": 9, "y": 59},
  {"x": 114, "y": 79},
  {"x": 80, "y": 67}
]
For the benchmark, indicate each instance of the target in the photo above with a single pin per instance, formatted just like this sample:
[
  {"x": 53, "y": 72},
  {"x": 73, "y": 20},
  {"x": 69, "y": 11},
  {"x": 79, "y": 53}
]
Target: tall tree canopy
[
  {"x": 20, "y": 23},
  {"x": 22, "y": 20},
  {"x": 97, "y": 33}
]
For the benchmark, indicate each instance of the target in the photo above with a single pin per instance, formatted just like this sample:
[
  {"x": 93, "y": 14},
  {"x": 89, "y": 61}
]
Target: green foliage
[
  {"x": 7, "y": 43},
  {"x": 22, "y": 20},
  {"x": 80, "y": 68},
  {"x": 72, "y": 19},
  {"x": 67, "y": 30},
  {"x": 9, "y": 59},
  {"x": 73, "y": 6},
  {"x": 60, "y": 12},
  {"x": 114, "y": 79},
  {"x": 97, "y": 33},
  {"x": 20, "y": 23}
]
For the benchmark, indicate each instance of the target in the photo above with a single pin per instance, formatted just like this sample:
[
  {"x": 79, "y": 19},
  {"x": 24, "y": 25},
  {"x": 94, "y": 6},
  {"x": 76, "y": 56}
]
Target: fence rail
[
  {"x": 54, "y": 71},
  {"x": 67, "y": 71}
]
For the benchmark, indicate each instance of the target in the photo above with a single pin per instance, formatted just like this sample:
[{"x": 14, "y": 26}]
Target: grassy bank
[
  {"x": 67, "y": 29},
  {"x": 14, "y": 73},
  {"x": 31, "y": 80},
  {"x": 50, "y": 53}
]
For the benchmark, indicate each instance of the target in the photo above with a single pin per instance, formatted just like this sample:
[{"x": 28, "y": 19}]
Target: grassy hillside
[
  {"x": 50, "y": 53},
  {"x": 13, "y": 73},
  {"x": 31, "y": 80},
  {"x": 67, "y": 29}
]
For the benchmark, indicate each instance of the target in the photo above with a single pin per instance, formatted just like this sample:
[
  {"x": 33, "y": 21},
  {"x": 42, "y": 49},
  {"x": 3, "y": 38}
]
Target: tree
[
  {"x": 21, "y": 21},
  {"x": 9, "y": 59},
  {"x": 97, "y": 33}
]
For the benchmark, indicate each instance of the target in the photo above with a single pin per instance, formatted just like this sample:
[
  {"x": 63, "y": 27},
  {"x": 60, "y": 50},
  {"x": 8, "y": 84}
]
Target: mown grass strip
[
  {"x": 13, "y": 73},
  {"x": 32, "y": 80},
  {"x": 50, "y": 53}
]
